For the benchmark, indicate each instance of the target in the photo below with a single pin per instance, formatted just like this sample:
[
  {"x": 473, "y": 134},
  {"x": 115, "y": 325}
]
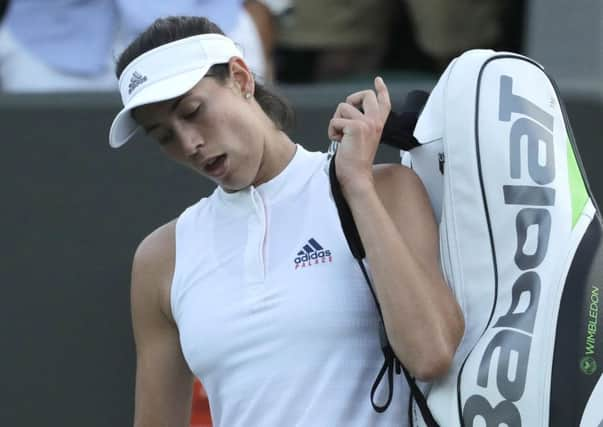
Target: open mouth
[{"x": 215, "y": 165}]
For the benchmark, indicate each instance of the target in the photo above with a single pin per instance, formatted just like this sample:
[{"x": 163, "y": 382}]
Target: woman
[{"x": 253, "y": 289}]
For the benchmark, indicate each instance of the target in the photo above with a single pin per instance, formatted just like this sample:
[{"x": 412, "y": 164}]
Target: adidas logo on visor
[
  {"x": 312, "y": 253},
  {"x": 136, "y": 80}
]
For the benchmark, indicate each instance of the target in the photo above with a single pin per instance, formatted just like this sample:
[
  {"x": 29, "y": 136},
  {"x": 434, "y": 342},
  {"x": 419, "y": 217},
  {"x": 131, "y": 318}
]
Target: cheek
[
  {"x": 239, "y": 124},
  {"x": 240, "y": 135},
  {"x": 235, "y": 132}
]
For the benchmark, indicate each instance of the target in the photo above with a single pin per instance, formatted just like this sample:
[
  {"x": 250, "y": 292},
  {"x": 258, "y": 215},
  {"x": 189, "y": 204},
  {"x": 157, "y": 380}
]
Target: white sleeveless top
[{"x": 273, "y": 312}]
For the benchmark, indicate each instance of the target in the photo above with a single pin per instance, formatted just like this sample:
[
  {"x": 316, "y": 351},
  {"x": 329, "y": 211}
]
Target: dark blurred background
[{"x": 74, "y": 210}]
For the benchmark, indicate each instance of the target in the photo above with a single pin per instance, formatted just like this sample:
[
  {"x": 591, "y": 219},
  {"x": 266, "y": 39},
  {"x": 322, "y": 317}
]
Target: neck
[{"x": 277, "y": 153}]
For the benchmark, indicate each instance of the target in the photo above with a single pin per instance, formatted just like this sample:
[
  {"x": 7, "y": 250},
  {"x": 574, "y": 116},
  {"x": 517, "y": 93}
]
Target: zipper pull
[{"x": 441, "y": 161}]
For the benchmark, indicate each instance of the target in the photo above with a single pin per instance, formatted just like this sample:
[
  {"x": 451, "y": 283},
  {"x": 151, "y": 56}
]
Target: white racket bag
[{"x": 520, "y": 243}]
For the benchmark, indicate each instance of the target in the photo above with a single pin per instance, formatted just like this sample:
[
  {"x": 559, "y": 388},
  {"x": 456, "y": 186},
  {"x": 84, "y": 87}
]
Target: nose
[{"x": 190, "y": 141}]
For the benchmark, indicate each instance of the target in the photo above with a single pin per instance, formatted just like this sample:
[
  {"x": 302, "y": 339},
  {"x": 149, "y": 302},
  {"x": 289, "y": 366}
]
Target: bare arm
[
  {"x": 423, "y": 320},
  {"x": 394, "y": 218},
  {"x": 163, "y": 380}
]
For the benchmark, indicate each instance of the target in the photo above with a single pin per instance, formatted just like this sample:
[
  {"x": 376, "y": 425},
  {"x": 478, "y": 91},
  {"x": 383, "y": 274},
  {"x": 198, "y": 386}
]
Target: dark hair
[{"x": 170, "y": 29}]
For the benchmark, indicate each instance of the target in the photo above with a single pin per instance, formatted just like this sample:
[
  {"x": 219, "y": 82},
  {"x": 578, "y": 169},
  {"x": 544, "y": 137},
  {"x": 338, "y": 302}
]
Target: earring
[{"x": 248, "y": 95}]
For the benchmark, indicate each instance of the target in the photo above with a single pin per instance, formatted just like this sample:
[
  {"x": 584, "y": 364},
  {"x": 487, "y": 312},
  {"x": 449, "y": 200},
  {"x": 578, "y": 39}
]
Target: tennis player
[{"x": 253, "y": 289}]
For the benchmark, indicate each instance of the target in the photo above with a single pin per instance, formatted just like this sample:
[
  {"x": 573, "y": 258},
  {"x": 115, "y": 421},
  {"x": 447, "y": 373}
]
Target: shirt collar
[{"x": 289, "y": 181}]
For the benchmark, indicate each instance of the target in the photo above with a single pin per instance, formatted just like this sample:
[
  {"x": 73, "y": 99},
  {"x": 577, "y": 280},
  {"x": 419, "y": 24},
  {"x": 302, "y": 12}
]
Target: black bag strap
[
  {"x": 398, "y": 133},
  {"x": 391, "y": 363},
  {"x": 399, "y": 127}
]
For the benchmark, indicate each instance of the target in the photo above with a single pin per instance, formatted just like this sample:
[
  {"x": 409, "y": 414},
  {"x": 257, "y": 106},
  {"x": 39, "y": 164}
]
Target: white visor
[{"x": 166, "y": 72}]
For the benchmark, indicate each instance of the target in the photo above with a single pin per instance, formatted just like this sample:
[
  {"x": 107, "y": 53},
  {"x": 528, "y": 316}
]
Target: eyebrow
[{"x": 173, "y": 107}]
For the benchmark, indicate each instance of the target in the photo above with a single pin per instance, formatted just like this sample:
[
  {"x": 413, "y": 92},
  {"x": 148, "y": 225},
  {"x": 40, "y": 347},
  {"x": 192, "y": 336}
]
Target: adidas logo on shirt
[{"x": 312, "y": 253}]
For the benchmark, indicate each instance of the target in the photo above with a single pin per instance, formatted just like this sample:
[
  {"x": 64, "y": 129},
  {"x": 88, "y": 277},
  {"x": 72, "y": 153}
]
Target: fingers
[
  {"x": 357, "y": 98},
  {"x": 347, "y": 111},
  {"x": 343, "y": 111},
  {"x": 366, "y": 100},
  {"x": 338, "y": 127},
  {"x": 382, "y": 94},
  {"x": 375, "y": 104},
  {"x": 366, "y": 110}
]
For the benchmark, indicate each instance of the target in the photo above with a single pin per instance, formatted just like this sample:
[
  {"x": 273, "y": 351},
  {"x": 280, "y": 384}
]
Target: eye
[{"x": 192, "y": 114}]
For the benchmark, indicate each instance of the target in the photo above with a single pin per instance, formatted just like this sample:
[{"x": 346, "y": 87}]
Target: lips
[{"x": 215, "y": 166}]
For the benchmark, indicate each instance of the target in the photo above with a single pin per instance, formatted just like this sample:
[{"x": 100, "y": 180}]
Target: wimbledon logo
[{"x": 588, "y": 365}]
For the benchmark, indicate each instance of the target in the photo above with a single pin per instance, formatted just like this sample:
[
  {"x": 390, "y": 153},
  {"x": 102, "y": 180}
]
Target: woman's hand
[{"x": 357, "y": 124}]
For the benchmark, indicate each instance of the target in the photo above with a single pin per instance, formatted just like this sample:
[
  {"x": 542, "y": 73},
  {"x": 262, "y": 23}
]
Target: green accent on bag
[{"x": 579, "y": 195}]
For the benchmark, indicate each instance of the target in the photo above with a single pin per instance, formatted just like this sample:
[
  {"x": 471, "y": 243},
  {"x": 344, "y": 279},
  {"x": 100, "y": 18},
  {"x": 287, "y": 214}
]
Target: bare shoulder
[
  {"x": 163, "y": 379},
  {"x": 404, "y": 197},
  {"x": 153, "y": 266},
  {"x": 396, "y": 182},
  {"x": 157, "y": 246},
  {"x": 406, "y": 201}
]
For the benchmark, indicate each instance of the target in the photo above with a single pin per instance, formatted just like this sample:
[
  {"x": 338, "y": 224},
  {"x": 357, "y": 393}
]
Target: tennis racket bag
[{"x": 520, "y": 244}]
